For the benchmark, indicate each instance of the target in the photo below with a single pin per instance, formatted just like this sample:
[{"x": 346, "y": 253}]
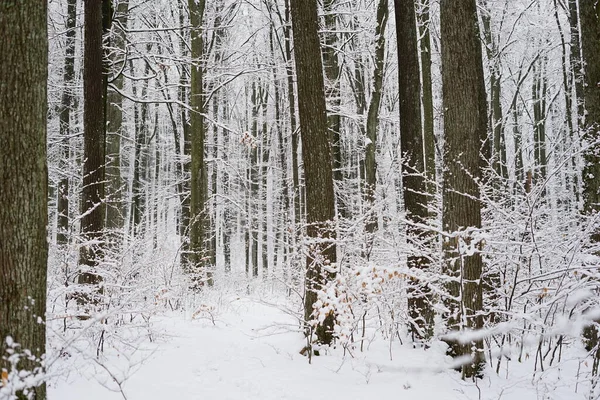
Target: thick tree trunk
[
  {"x": 23, "y": 195},
  {"x": 92, "y": 198},
  {"x": 413, "y": 174},
  {"x": 589, "y": 14},
  {"x": 465, "y": 130},
  {"x": 316, "y": 155}
]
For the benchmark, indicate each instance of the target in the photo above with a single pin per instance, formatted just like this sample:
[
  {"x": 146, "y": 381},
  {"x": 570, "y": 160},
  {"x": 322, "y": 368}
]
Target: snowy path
[{"x": 246, "y": 356}]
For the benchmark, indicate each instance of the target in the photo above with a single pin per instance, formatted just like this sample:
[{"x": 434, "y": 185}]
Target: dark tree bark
[
  {"x": 413, "y": 174},
  {"x": 141, "y": 159},
  {"x": 465, "y": 131},
  {"x": 199, "y": 218},
  {"x": 589, "y": 14},
  {"x": 67, "y": 103},
  {"x": 24, "y": 182},
  {"x": 316, "y": 155},
  {"x": 92, "y": 197},
  {"x": 538, "y": 97},
  {"x": 576, "y": 61}
]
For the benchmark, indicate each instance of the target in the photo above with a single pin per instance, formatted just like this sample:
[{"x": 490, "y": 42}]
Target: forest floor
[{"x": 239, "y": 348}]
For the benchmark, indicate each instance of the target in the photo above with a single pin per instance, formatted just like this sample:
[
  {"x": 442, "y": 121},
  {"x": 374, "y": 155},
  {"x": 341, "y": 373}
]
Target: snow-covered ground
[{"x": 252, "y": 351}]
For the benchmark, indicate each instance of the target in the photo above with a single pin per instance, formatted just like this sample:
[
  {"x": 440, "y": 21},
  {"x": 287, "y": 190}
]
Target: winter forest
[{"x": 290, "y": 199}]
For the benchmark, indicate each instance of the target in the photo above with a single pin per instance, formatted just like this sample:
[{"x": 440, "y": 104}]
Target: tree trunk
[
  {"x": 141, "y": 154},
  {"x": 413, "y": 174},
  {"x": 67, "y": 102},
  {"x": 538, "y": 97},
  {"x": 183, "y": 148},
  {"x": 199, "y": 223},
  {"x": 320, "y": 198},
  {"x": 589, "y": 14},
  {"x": 373, "y": 121},
  {"x": 114, "y": 183},
  {"x": 496, "y": 118},
  {"x": 427, "y": 100},
  {"x": 24, "y": 213},
  {"x": 465, "y": 130},
  {"x": 92, "y": 197},
  {"x": 576, "y": 61},
  {"x": 332, "y": 93}
]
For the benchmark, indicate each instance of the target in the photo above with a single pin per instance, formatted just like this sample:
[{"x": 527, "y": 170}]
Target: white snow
[{"x": 252, "y": 352}]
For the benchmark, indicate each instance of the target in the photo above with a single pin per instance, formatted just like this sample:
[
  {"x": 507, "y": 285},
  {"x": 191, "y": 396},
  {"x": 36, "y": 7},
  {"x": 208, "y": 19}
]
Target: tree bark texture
[
  {"x": 92, "y": 197},
  {"x": 199, "y": 218},
  {"x": 465, "y": 130},
  {"x": 589, "y": 14},
  {"x": 23, "y": 182},
  {"x": 316, "y": 155},
  {"x": 114, "y": 116},
  {"x": 413, "y": 174}
]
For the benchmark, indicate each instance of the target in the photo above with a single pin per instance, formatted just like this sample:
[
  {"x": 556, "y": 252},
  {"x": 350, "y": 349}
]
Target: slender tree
[
  {"x": 23, "y": 214},
  {"x": 465, "y": 133},
  {"x": 576, "y": 62},
  {"x": 67, "y": 103},
  {"x": 114, "y": 122},
  {"x": 373, "y": 119},
  {"x": 496, "y": 118},
  {"x": 424, "y": 20},
  {"x": 316, "y": 155},
  {"x": 199, "y": 218},
  {"x": 332, "y": 70}
]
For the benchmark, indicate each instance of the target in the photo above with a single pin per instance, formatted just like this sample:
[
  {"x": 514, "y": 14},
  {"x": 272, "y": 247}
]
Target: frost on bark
[
  {"x": 199, "y": 219},
  {"x": 413, "y": 167},
  {"x": 114, "y": 115},
  {"x": 373, "y": 122},
  {"x": 67, "y": 103},
  {"x": 23, "y": 182},
  {"x": 92, "y": 196},
  {"x": 316, "y": 155},
  {"x": 465, "y": 131}
]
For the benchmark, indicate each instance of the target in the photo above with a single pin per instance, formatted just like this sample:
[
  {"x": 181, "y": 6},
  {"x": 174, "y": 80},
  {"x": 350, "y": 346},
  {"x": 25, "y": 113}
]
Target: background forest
[{"x": 416, "y": 172}]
